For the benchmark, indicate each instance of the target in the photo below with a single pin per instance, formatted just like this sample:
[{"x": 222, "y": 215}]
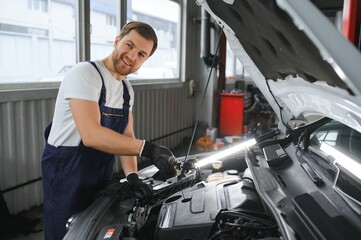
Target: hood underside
[{"x": 295, "y": 55}]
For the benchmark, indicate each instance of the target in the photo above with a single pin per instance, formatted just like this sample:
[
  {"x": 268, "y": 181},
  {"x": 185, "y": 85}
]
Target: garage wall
[{"x": 163, "y": 114}]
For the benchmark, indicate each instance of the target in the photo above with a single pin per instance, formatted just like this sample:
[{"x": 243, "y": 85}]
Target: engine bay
[
  {"x": 200, "y": 203},
  {"x": 271, "y": 190}
]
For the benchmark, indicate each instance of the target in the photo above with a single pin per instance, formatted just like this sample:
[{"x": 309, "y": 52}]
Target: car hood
[{"x": 295, "y": 55}]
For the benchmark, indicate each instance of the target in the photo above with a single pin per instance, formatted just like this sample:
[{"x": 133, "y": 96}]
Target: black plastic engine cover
[{"x": 191, "y": 214}]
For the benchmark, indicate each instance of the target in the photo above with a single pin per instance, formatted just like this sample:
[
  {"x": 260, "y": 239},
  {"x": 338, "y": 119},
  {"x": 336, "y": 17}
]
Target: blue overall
[{"x": 72, "y": 175}]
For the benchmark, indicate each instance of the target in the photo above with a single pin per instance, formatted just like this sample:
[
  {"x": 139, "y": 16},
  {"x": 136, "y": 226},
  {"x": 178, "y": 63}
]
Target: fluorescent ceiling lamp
[
  {"x": 348, "y": 163},
  {"x": 227, "y": 152}
]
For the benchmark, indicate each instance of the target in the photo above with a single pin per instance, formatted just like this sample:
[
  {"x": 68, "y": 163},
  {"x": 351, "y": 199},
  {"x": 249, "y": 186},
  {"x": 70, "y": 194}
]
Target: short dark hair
[{"x": 144, "y": 30}]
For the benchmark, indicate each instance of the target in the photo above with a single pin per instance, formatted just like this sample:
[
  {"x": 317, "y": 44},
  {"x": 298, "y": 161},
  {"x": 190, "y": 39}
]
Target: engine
[
  {"x": 197, "y": 204},
  {"x": 215, "y": 209}
]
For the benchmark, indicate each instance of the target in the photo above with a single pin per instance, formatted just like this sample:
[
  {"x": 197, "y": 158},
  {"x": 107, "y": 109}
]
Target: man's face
[{"x": 130, "y": 53}]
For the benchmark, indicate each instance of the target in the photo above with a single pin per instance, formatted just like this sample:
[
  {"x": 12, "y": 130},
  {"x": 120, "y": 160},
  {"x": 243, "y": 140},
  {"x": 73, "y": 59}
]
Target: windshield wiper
[{"x": 305, "y": 139}]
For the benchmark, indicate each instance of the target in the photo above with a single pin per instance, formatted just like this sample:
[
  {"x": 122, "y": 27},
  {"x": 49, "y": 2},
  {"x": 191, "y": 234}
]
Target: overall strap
[
  {"x": 126, "y": 97},
  {"x": 102, "y": 98}
]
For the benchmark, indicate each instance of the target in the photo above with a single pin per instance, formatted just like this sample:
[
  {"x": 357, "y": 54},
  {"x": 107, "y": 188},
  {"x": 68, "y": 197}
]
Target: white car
[{"x": 59, "y": 76}]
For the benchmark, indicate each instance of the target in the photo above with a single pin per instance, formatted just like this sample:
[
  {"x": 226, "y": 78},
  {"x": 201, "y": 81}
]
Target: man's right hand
[{"x": 162, "y": 158}]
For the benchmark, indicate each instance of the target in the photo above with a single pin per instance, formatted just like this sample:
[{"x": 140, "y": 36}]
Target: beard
[{"x": 121, "y": 67}]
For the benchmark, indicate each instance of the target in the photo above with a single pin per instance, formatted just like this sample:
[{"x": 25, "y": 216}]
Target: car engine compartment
[
  {"x": 274, "y": 189},
  {"x": 225, "y": 204},
  {"x": 201, "y": 204}
]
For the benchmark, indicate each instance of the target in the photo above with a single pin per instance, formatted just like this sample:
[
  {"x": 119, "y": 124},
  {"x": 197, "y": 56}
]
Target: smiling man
[{"x": 92, "y": 122}]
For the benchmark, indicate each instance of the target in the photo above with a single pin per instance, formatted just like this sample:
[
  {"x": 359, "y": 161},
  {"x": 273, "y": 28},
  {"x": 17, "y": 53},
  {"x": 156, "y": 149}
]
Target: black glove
[
  {"x": 139, "y": 189},
  {"x": 162, "y": 158}
]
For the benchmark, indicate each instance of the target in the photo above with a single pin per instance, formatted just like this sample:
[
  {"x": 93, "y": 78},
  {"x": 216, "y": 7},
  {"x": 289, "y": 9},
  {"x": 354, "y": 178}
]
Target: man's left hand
[{"x": 142, "y": 191}]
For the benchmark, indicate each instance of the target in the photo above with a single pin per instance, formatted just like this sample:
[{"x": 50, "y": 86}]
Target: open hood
[{"x": 295, "y": 55}]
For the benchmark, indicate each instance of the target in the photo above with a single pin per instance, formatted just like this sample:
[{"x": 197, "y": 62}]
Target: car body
[
  {"x": 152, "y": 73},
  {"x": 59, "y": 76},
  {"x": 299, "y": 181}
]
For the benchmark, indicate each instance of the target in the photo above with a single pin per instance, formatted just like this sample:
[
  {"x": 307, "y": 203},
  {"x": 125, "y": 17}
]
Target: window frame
[{"x": 82, "y": 47}]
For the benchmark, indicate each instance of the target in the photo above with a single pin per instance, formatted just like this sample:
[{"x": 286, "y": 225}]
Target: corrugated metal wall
[
  {"x": 164, "y": 115},
  {"x": 159, "y": 113}
]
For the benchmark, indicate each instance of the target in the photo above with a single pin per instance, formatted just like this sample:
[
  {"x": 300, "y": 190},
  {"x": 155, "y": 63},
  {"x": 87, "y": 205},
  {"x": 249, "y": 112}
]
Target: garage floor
[{"x": 36, "y": 214}]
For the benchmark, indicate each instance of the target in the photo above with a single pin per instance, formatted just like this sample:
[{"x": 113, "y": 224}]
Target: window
[
  {"x": 162, "y": 15},
  {"x": 38, "y": 5},
  {"x": 103, "y": 32},
  {"x": 234, "y": 68},
  {"x": 35, "y": 46},
  {"x": 111, "y": 20},
  {"x": 40, "y": 47}
]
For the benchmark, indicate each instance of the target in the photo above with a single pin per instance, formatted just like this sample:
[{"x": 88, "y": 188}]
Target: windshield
[{"x": 342, "y": 147}]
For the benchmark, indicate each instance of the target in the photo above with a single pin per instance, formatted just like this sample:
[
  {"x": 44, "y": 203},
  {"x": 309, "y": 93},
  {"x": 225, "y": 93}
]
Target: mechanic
[{"x": 92, "y": 122}]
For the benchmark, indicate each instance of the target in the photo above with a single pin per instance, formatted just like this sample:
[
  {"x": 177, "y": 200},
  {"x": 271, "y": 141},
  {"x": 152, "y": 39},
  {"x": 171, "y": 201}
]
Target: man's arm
[
  {"x": 129, "y": 163},
  {"x": 86, "y": 115}
]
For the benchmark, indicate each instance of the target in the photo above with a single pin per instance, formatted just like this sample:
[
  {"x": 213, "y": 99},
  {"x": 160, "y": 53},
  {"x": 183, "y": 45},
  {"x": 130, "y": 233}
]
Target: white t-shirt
[{"x": 83, "y": 82}]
